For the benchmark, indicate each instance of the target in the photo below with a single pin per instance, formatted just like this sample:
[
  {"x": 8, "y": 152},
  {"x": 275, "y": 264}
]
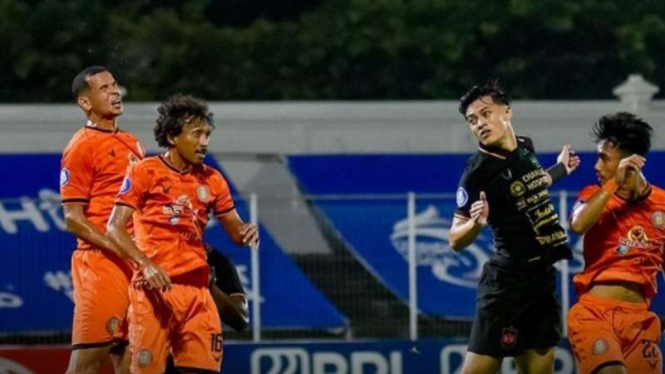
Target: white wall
[{"x": 327, "y": 127}]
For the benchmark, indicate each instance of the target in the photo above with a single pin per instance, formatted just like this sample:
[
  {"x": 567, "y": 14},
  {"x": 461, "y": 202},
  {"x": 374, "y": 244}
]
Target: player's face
[
  {"x": 609, "y": 157},
  {"x": 103, "y": 97},
  {"x": 488, "y": 121},
  {"x": 192, "y": 143}
]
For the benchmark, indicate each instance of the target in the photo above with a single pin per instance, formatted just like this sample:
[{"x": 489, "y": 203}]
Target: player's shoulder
[
  {"x": 476, "y": 165},
  {"x": 210, "y": 173},
  {"x": 82, "y": 139},
  {"x": 526, "y": 142},
  {"x": 658, "y": 194},
  {"x": 153, "y": 163}
]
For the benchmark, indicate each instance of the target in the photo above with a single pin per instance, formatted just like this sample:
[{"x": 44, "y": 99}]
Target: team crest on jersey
[
  {"x": 517, "y": 188},
  {"x": 126, "y": 186},
  {"x": 64, "y": 177},
  {"x": 203, "y": 193},
  {"x": 143, "y": 358},
  {"x": 600, "y": 346},
  {"x": 658, "y": 219},
  {"x": 113, "y": 325},
  {"x": 462, "y": 197},
  {"x": 508, "y": 338}
]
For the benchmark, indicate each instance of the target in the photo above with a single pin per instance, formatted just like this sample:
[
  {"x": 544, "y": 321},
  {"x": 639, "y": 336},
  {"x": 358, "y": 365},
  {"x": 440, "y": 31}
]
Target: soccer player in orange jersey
[
  {"x": 93, "y": 167},
  {"x": 172, "y": 309},
  {"x": 623, "y": 222}
]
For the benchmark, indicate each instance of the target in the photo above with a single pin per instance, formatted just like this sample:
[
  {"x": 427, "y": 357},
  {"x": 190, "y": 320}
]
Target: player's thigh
[
  {"x": 198, "y": 344},
  {"x": 149, "y": 331},
  {"x": 101, "y": 299},
  {"x": 646, "y": 357},
  {"x": 536, "y": 361},
  {"x": 592, "y": 336},
  {"x": 88, "y": 360},
  {"x": 475, "y": 363}
]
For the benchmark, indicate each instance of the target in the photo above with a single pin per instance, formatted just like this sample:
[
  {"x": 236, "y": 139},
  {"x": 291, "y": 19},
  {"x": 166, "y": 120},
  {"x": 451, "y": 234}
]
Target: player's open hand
[
  {"x": 627, "y": 167},
  {"x": 569, "y": 159},
  {"x": 480, "y": 210},
  {"x": 250, "y": 235},
  {"x": 156, "y": 277}
]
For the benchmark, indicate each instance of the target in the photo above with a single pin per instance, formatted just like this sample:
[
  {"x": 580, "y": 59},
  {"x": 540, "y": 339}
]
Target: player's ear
[
  {"x": 171, "y": 140},
  {"x": 509, "y": 112},
  {"x": 84, "y": 103}
]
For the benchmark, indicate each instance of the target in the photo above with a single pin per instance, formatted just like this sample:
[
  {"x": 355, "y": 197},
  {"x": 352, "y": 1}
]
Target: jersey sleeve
[
  {"x": 76, "y": 175},
  {"x": 133, "y": 189},
  {"x": 584, "y": 195},
  {"x": 227, "y": 275},
  {"x": 467, "y": 193},
  {"x": 222, "y": 202}
]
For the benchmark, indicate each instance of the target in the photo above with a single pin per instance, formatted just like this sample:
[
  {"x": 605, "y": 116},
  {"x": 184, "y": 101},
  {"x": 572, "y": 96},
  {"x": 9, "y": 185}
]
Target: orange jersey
[
  {"x": 93, "y": 166},
  {"x": 174, "y": 210},
  {"x": 626, "y": 244}
]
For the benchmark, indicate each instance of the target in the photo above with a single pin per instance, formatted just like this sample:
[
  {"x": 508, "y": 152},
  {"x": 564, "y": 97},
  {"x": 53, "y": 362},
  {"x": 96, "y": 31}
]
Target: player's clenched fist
[
  {"x": 250, "y": 234},
  {"x": 480, "y": 210},
  {"x": 627, "y": 165},
  {"x": 569, "y": 159}
]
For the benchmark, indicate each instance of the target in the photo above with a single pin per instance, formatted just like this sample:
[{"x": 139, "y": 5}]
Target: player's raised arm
[
  {"x": 241, "y": 233},
  {"x": 567, "y": 163},
  {"x": 465, "y": 230},
  {"x": 586, "y": 214},
  {"x": 116, "y": 230}
]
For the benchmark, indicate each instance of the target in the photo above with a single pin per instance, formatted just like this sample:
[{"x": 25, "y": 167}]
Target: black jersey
[
  {"x": 522, "y": 217},
  {"x": 227, "y": 278}
]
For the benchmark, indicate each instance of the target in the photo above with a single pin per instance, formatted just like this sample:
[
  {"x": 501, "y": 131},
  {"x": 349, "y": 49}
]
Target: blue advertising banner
[
  {"x": 376, "y": 229},
  {"x": 35, "y": 280},
  {"x": 426, "y": 356}
]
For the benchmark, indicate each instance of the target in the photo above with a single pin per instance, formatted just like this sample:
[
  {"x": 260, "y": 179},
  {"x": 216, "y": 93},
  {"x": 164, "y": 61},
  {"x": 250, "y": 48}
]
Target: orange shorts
[
  {"x": 604, "y": 332},
  {"x": 183, "y": 322},
  {"x": 101, "y": 298}
]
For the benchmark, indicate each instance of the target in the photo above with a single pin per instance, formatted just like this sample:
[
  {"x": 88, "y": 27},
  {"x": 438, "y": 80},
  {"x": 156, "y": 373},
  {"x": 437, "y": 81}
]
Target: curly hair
[
  {"x": 490, "y": 88},
  {"x": 626, "y": 131},
  {"x": 175, "y": 113}
]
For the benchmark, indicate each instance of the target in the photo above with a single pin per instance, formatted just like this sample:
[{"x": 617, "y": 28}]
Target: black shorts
[{"x": 515, "y": 311}]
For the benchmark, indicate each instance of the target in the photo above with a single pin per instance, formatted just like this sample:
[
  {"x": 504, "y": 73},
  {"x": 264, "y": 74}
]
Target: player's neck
[
  {"x": 509, "y": 141},
  {"x": 635, "y": 189},
  {"x": 176, "y": 161},
  {"x": 102, "y": 123}
]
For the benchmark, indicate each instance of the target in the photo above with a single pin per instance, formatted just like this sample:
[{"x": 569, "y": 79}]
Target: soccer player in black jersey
[{"x": 504, "y": 186}]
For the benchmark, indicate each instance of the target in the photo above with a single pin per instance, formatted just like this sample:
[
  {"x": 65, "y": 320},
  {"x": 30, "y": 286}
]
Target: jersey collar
[
  {"x": 495, "y": 152},
  {"x": 168, "y": 165}
]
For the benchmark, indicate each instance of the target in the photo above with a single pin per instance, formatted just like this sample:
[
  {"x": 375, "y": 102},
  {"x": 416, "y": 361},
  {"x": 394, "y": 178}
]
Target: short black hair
[
  {"x": 490, "y": 88},
  {"x": 80, "y": 82},
  {"x": 174, "y": 114},
  {"x": 626, "y": 131}
]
